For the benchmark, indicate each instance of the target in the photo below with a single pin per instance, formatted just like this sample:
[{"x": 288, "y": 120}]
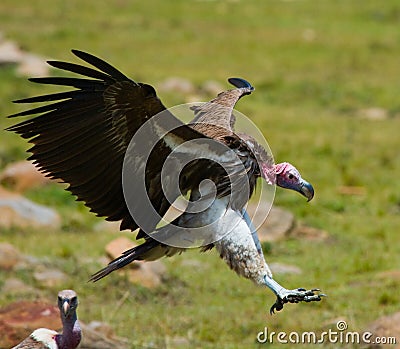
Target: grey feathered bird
[
  {"x": 70, "y": 337},
  {"x": 83, "y": 137}
]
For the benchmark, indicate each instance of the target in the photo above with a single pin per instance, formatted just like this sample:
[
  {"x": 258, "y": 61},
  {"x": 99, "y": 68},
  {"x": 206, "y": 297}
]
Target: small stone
[
  {"x": 309, "y": 233},
  {"x": 98, "y": 335},
  {"x": 308, "y": 35},
  {"x": 28, "y": 262},
  {"x": 9, "y": 256},
  {"x": 22, "y": 175},
  {"x": 15, "y": 210},
  {"x": 280, "y": 268},
  {"x": 389, "y": 275},
  {"x": 385, "y": 327},
  {"x": 271, "y": 225},
  {"x": 212, "y": 88},
  {"x": 10, "y": 52},
  {"x": 177, "y": 84},
  {"x": 352, "y": 190},
  {"x": 148, "y": 274},
  {"x": 50, "y": 277},
  {"x": 33, "y": 66},
  {"x": 374, "y": 114},
  {"x": 102, "y": 327},
  {"x": 193, "y": 98},
  {"x": 14, "y": 286},
  {"x": 115, "y": 247},
  {"x": 177, "y": 342}
]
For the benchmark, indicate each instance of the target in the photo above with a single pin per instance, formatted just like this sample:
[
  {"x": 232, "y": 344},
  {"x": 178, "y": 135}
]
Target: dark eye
[{"x": 290, "y": 176}]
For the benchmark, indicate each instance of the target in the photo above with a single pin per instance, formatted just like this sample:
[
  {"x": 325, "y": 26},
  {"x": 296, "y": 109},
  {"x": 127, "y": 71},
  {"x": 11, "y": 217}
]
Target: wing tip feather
[{"x": 241, "y": 83}]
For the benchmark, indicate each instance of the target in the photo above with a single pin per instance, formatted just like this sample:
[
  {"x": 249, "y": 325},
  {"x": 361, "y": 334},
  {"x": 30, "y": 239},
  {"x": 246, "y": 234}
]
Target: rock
[
  {"x": 389, "y": 275},
  {"x": 50, "y": 277},
  {"x": 22, "y": 175},
  {"x": 177, "y": 342},
  {"x": 15, "y": 210},
  {"x": 10, "y": 53},
  {"x": 28, "y": 262},
  {"x": 102, "y": 327},
  {"x": 384, "y": 327},
  {"x": 9, "y": 256},
  {"x": 98, "y": 335},
  {"x": 374, "y": 114},
  {"x": 193, "y": 98},
  {"x": 272, "y": 226},
  {"x": 19, "y": 319},
  {"x": 352, "y": 190},
  {"x": 309, "y": 233},
  {"x": 14, "y": 286},
  {"x": 177, "y": 84},
  {"x": 279, "y": 224},
  {"x": 33, "y": 66},
  {"x": 115, "y": 248},
  {"x": 212, "y": 88},
  {"x": 147, "y": 274},
  {"x": 280, "y": 268},
  {"x": 308, "y": 35}
]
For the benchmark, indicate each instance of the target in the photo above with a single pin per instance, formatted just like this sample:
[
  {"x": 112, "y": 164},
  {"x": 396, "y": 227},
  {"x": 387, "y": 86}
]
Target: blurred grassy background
[{"x": 316, "y": 66}]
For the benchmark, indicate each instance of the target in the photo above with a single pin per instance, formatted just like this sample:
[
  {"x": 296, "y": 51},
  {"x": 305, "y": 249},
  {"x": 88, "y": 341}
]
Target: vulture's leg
[
  {"x": 283, "y": 295},
  {"x": 256, "y": 239}
]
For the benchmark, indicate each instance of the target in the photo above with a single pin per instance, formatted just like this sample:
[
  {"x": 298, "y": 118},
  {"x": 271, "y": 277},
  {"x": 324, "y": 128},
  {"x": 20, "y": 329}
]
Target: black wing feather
[
  {"x": 82, "y": 136},
  {"x": 81, "y": 70},
  {"x": 102, "y": 65}
]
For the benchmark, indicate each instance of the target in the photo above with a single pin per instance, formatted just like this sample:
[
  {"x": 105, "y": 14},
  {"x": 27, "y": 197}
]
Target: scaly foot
[{"x": 295, "y": 296}]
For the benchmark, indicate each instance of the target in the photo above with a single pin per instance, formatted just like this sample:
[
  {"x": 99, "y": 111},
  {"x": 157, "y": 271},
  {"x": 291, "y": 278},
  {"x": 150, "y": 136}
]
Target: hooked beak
[
  {"x": 65, "y": 307},
  {"x": 307, "y": 190}
]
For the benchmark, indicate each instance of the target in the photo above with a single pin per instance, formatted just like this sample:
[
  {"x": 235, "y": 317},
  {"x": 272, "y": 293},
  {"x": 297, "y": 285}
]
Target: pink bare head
[{"x": 287, "y": 176}]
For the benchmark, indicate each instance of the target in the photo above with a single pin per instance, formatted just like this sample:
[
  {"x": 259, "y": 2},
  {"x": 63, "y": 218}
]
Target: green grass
[{"x": 308, "y": 95}]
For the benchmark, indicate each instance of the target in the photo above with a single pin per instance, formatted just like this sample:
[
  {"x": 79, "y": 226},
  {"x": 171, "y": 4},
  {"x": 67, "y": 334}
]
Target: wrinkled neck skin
[
  {"x": 71, "y": 335},
  {"x": 269, "y": 173}
]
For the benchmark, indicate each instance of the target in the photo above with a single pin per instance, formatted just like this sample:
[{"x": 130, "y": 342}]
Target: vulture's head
[
  {"x": 67, "y": 302},
  {"x": 288, "y": 177}
]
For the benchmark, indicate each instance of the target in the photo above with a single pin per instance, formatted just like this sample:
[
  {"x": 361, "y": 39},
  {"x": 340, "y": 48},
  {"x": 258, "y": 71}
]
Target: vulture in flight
[
  {"x": 128, "y": 158},
  {"x": 43, "y": 338}
]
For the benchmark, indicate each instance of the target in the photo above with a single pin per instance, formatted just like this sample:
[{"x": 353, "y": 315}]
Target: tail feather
[{"x": 134, "y": 254}]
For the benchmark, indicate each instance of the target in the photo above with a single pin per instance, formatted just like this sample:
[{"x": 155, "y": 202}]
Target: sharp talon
[
  {"x": 296, "y": 296},
  {"x": 278, "y": 306}
]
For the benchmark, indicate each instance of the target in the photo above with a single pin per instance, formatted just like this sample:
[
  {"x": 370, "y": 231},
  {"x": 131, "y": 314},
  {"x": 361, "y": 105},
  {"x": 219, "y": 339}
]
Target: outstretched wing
[
  {"x": 219, "y": 111},
  {"x": 81, "y": 137}
]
